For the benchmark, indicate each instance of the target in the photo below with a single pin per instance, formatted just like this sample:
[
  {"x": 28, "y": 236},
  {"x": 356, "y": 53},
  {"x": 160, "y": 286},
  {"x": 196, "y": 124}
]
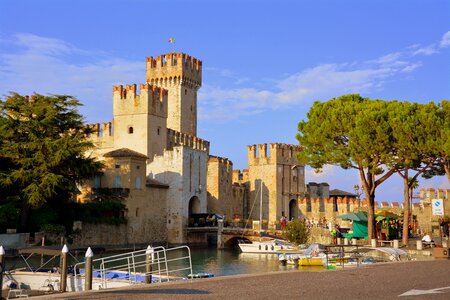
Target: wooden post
[
  {"x": 148, "y": 264},
  {"x": 219, "y": 234},
  {"x": 2, "y": 267},
  {"x": 419, "y": 245},
  {"x": 374, "y": 243},
  {"x": 63, "y": 279},
  {"x": 42, "y": 244},
  {"x": 88, "y": 272},
  {"x": 396, "y": 244}
]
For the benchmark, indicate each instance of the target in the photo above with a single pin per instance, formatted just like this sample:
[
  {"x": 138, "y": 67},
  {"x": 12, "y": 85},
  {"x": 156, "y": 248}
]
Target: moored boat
[
  {"x": 137, "y": 267},
  {"x": 265, "y": 246}
]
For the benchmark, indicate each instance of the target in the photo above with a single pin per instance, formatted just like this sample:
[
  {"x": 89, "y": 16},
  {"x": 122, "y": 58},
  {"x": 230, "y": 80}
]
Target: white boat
[
  {"x": 266, "y": 246},
  {"x": 109, "y": 272}
]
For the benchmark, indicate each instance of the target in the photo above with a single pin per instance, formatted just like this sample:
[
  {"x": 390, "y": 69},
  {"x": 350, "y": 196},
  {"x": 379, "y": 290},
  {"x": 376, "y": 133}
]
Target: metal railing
[
  {"x": 342, "y": 254},
  {"x": 157, "y": 264}
]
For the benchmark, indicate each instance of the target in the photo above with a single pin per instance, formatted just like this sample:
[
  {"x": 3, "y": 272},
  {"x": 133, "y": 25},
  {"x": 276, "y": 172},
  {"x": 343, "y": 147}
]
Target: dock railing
[
  {"x": 340, "y": 255},
  {"x": 156, "y": 264}
]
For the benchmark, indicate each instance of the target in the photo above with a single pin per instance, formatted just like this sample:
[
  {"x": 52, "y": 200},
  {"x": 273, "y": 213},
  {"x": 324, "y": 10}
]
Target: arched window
[{"x": 130, "y": 130}]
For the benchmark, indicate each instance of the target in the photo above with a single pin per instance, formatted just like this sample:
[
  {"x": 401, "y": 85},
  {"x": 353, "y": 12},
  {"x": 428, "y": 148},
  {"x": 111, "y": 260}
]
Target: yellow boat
[{"x": 310, "y": 261}]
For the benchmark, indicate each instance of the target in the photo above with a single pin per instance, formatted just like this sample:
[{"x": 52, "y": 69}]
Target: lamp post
[{"x": 357, "y": 191}]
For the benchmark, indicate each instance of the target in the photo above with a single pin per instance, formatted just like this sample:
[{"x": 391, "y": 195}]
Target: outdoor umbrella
[
  {"x": 385, "y": 214},
  {"x": 360, "y": 216},
  {"x": 359, "y": 224}
]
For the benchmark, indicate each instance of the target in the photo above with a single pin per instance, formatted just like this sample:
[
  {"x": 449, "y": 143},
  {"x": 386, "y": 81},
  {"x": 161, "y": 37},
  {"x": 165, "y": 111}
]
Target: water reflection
[
  {"x": 208, "y": 260},
  {"x": 232, "y": 262}
]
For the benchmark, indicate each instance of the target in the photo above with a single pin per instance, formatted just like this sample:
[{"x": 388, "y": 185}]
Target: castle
[{"x": 165, "y": 174}]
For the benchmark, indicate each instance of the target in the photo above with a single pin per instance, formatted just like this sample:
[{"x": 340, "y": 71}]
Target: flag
[{"x": 171, "y": 40}]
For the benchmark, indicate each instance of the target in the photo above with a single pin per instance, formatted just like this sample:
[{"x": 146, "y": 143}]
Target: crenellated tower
[
  {"x": 140, "y": 121},
  {"x": 181, "y": 75},
  {"x": 275, "y": 173}
]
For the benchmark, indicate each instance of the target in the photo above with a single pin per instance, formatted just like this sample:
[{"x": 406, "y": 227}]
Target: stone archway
[
  {"x": 194, "y": 206},
  {"x": 293, "y": 209}
]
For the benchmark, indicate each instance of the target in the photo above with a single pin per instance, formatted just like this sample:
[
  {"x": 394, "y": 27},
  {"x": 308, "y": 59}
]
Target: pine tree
[{"x": 42, "y": 149}]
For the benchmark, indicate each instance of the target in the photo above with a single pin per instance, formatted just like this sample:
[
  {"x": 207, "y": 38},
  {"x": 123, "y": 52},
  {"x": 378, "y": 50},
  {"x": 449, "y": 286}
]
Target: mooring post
[
  {"x": 63, "y": 278},
  {"x": 396, "y": 244},
  {"x": 419, "y": 245},
  {"x": 148, "y": 264},
  {"x": 219, "y": 234},
  {"x": 373, "y": 243},
  {"x": 2, "y": 267},
  {"x": 88, "y": 273}
]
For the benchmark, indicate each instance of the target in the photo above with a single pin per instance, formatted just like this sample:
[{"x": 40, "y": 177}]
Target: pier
[{"x": 378, "y": 281}]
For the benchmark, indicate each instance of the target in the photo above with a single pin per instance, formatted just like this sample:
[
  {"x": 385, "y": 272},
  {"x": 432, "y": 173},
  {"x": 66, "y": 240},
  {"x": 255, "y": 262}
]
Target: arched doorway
[
  {"x": 293, "y": 209},
  {"x": 194, "y": 206}
]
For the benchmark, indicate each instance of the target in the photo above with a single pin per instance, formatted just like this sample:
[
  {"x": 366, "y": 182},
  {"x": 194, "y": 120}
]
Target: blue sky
[{"x": 264, "y": 62}]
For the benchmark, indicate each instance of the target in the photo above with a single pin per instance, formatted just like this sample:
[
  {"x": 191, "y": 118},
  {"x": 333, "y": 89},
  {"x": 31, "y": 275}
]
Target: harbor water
[
  {"x": 232, "y": 262},
  {"x": 204, "y": 260}
]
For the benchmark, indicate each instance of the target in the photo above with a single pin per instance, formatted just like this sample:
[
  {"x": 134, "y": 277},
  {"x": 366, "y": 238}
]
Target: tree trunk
[
  {"x": 405, "y": 237},
  {"x": 447, "y": 169},
  {"x": 369, "y": 189},
  {"x": 371, "y": 227},
  {"x": 24, "y": 216}
]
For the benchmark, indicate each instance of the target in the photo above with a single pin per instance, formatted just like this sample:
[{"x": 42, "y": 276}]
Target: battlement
[
  {"x": 101, "y": 134},
  {"x": 220, "y": 160},
  {"x": 176, "y": 138},
  {"x": 276, "y": 153},
  {"x": 152, "y": 100},
  {"x": 101, "y": 130},
  {"x": 174, "y": 68}
]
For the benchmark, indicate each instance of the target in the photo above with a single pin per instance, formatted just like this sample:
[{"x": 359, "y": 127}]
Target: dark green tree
[
  {"x": 444, "y": 137},
  {"x": 415, "y": 147},
  {"x": 350, "y": 132},
  {"x": 43, "y": 149}
]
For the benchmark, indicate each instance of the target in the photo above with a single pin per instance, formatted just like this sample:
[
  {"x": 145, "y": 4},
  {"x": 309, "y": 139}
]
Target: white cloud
[
  {"x": 445, "y": 41},
  {"x": 46, "y": 65},
  {"x": 326, "y": 172},
  {"x": 52, "y": 66},
  {"x": 319, "y": 82},
  {"x": 428, "y": 50}
]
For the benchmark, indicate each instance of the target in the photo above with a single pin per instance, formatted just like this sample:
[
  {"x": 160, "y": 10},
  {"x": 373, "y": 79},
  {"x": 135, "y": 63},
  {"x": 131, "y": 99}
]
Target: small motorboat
[
  {"x": 200, "y": 275},
  {"x": 311, "y": 256},
  {"x": 265, "y": 246}
]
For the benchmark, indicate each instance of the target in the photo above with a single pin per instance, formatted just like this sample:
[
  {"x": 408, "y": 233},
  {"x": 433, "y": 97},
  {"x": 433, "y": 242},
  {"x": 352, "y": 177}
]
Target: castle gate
[
  {"x": 293, "y": 209},
  {"x": 194, "y": 206}
]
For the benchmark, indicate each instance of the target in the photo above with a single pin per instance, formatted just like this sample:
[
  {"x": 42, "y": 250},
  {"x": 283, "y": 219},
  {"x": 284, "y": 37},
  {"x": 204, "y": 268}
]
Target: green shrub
[
  {"x": 297, "y": 232},
  {"x": 53, "y": 228}
]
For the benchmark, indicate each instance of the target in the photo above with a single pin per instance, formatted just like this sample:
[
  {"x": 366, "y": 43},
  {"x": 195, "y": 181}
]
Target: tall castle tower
[
  {"x": 140, "y": 120},
  {"x": 181, "y": 75}
]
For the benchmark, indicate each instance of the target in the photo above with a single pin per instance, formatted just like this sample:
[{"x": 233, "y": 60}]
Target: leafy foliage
[
  {"x": 44, "y": 140},
  {"x": 53, "y": 228},
  {"x": 378, "y": 138},
  {"x": 350, "y": 132},
  {"x": 9, "y": 216},
  {"x": 297, "y": 232}
]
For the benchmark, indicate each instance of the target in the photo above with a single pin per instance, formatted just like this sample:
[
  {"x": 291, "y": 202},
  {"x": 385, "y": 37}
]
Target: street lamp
[{"x": 357, "y": 191}]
